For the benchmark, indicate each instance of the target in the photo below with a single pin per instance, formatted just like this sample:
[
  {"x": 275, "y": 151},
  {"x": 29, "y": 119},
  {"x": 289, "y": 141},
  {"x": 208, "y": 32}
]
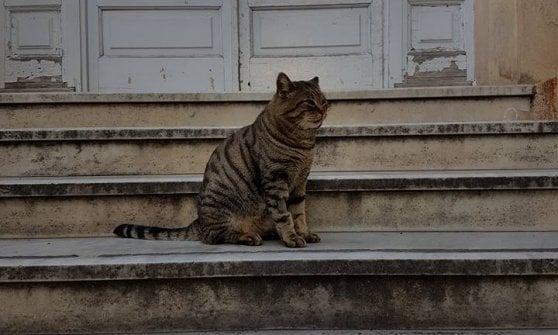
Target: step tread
[
  {"x": 196, "y": 133},
  {"x": 344, "y": 253},
  {"x": 399, "y": 93},
  {"x": 369, "y": 332},
  {"x": 317, "y": 182}
]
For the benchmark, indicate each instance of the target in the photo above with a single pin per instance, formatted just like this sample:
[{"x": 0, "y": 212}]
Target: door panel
[
  {"x": 163, "y": 46},
  {"x": 311, "y": 31},
  {"x": 159, "y": 33},
  {"x": 339, "y": 41},
  {"x": 430, "y": 42}
]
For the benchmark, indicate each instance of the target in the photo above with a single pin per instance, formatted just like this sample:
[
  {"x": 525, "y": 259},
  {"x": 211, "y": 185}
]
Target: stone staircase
[{"x": 436, "y": 206}]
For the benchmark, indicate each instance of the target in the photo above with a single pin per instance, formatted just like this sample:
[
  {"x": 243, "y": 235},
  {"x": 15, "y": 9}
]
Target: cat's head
[{"x": 301, "y": 103}]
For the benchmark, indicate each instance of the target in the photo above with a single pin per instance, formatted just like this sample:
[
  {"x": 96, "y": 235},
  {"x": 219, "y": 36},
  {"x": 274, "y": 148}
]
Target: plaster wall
[{"x": 516, "y": 41}]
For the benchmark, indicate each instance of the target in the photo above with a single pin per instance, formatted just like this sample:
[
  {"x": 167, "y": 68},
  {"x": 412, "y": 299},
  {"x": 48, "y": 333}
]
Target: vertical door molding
[
  {"x": 430, "y": 42},
  {"x": 396, "y": 42},
  {"x": 71, "y": 43},
  {"x": 230, "y": 46},
  {"x": 92, "y": 32},
  {"x": 3, "y": 41},
  {"x": 469, "y": 38}
]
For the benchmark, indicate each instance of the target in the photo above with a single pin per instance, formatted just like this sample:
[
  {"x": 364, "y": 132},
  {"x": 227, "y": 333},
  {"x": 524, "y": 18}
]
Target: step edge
[
  {"x": 471, "y": 331},
  {"x": 197, "y": 133},
  {"x": 472, "y": 180},
  {"x": 452, "y": 92},
  {"x": 367, "y": 263}
]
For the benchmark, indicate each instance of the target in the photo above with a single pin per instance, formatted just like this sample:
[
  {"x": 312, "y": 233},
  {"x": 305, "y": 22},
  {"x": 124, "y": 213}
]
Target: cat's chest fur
[
  {"x": 298, "y": 173},
  {"x": 293, "y": 168}
]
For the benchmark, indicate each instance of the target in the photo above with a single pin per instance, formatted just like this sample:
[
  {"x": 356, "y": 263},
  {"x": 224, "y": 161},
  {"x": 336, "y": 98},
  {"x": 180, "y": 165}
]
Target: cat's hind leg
[
  {"x": 230, "y": 229},
  {"x": 223, "y": 232},
  {"x": 244, "y": 238}
]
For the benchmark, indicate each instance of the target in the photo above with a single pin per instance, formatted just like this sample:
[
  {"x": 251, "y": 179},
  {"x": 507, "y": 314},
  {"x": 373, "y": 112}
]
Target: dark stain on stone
[{"x": 525, "y": 78}]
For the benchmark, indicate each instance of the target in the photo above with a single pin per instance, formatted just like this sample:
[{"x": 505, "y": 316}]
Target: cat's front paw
[
  {"x": 294, "y": 241},
  {"x": 312, "y": 238}
]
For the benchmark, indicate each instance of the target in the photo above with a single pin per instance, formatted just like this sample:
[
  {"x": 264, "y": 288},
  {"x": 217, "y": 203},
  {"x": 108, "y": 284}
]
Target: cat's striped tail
[{"x": 157, "y": 233}]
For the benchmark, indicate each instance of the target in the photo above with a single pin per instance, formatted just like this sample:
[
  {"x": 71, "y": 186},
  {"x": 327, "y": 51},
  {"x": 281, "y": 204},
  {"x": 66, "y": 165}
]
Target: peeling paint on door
[
  {"x": 440, "y": 68},
  {"x": 33, "y": 73},
  {"x": 438, "y": 36}
]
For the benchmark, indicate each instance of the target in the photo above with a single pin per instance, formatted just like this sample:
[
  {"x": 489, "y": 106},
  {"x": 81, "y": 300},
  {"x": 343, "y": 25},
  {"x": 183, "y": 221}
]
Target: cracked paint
[
  {"x": 16, "y": 70},
  {"x": 417, "y": 64}
]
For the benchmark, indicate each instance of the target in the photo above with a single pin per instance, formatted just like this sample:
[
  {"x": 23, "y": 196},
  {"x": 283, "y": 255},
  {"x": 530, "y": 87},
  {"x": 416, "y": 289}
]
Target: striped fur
[{"x": 254, "y": 184}]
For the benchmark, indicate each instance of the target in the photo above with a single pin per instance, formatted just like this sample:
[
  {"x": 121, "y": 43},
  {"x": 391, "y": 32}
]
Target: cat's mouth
[{"x": 312, "y": 124}]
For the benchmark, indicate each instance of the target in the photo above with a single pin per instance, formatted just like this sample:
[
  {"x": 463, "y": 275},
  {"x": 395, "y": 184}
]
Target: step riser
[
  {"x": 456, "y": 152},
  {"x": 318, "y": 302},
  {"x": 174, "y": 114},
  {"x": 513, "y": 210}
]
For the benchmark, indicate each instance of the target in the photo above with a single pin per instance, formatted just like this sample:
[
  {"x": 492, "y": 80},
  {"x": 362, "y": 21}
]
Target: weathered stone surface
[
  {"x": 430, "y": 146},
  {"x": 545, "y": 103},
  {"x": 420, "y": 281},
  {"x": 317, "y": 302},
  {"x": 360, "y": 253},
  {"x": 360, "y": 280},
  {"x": 317, "y": 182},
  {"x": 351, "y": 108},
  {"x": 441, "y": 201},
  {"x": 90, "y": 216},
  {"x": 517, "y": 41},
  {"x": 434, "y": 211},
  {"x": 369, "y": 332},
  {"x": 194, "y": 133},
  {"x": 414, "y": 93}
]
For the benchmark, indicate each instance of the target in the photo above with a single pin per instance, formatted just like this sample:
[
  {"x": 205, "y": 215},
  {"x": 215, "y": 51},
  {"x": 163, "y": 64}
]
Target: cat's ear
[
  {"x": 284, "y": 85},
  {"x": 315, "y": 80}
]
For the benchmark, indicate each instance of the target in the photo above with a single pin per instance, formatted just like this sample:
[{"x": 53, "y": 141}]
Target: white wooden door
[
  {"x": 232, "y": 45},
  {"x": 162, "y": 46},
  {"x": 38, "y": 48},
  {"x": 430, "y": 42},
  {"x": 338, "y": 40}
]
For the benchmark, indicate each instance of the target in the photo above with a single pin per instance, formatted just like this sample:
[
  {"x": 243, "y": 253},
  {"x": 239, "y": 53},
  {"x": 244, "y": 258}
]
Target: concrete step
[
  {"x": 444, "y": 104},
  {"x": 404, "y": 280},
  {"x": 476, "y": 200},
  {"x": 368, "y": 332},
  {"x": 424, "y": 146}
]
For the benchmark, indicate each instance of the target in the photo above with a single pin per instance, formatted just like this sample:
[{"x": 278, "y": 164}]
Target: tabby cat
[{"x": 254, "y": 184}]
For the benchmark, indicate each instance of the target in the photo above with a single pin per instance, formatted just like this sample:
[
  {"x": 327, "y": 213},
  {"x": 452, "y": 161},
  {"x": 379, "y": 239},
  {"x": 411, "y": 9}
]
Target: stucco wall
[{"x": 516, "y": 41}]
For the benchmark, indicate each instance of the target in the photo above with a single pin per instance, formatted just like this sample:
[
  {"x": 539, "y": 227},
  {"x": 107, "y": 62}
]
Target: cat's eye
[{"x": 310, "y": 103}]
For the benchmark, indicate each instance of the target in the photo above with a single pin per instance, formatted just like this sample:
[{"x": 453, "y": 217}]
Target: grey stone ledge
[
  {"x": 366, "y": 332},
  {"x": 471, "y": 180},
  {"x": 195, "y": 133},
  {"x": 398, "y": 93},
  {"x": 339, "y": 254}
]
